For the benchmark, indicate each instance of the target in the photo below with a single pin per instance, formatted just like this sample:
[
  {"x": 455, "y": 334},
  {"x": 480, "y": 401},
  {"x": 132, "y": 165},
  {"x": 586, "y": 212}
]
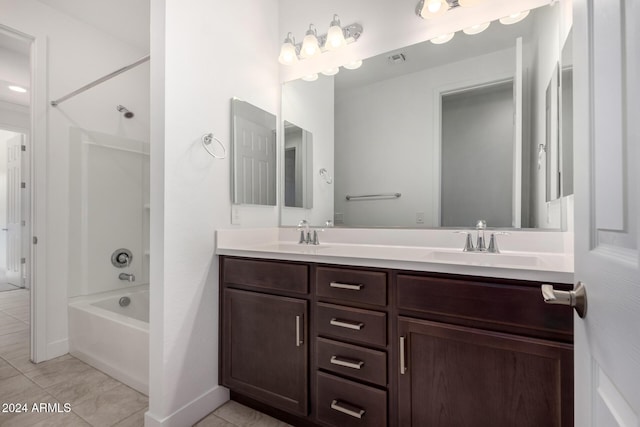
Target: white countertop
[{"x": 525, "y": 255}]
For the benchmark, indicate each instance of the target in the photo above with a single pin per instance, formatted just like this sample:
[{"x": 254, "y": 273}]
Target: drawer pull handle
[
  {"x": 299, "y": 340},
  {"x": 336, "y": 360},
  {"x": 403, "y": 363},
  {"x": 347, "y": 324},
  {"x": 338, "y": 285},
  {"x": 345, "y": 408}
]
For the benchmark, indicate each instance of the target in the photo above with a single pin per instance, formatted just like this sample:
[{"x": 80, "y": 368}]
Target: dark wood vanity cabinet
[
  {"x": 342, "y": 346},
  {"x": 490, "y": 354}
]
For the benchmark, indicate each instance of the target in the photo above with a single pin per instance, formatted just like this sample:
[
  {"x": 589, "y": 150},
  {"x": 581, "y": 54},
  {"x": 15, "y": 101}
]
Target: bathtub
[{"x": 111, "y": 337}]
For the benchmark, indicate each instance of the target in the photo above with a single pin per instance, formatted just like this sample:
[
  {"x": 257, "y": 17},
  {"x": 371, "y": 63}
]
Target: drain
[{"x": 124, "y": 301}]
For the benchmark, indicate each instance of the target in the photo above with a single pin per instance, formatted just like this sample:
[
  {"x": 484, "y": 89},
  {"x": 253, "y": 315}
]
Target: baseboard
[
  {"x": 192, "y": 412},
  {"x": 57, "y": 348}
]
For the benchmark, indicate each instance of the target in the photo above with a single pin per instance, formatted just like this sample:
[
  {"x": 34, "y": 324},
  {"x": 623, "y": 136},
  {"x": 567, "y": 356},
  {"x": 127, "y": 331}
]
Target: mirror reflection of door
[
  {"x": 477, "y": 156},
  {"x": 298, "y": 164}
]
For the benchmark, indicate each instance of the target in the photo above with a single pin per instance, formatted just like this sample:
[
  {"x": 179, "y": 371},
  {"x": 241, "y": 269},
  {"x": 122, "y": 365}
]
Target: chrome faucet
[
  {"x": 481, "y": 225},
  {"x": 127, "y": 277},
  {"x": 303, "y": 228},
  {"x": 493, "y": 242}
]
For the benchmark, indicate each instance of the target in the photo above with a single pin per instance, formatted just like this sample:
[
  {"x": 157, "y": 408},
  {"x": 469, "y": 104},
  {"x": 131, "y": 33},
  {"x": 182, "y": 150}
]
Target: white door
[
  {"x": 607, "y": 193},
  {"x": 14, "y": 211}
]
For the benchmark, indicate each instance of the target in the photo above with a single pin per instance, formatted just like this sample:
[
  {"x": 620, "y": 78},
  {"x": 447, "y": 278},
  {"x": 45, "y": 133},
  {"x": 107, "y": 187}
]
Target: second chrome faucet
[{"x": 480, "y": 246}]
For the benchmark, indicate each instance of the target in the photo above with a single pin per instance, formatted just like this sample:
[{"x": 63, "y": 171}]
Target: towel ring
[{"x": 207, "y": 139}]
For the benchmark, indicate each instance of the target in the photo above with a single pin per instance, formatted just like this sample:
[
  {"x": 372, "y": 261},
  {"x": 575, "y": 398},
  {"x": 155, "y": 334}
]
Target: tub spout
[{"x": 128, "y": 277}]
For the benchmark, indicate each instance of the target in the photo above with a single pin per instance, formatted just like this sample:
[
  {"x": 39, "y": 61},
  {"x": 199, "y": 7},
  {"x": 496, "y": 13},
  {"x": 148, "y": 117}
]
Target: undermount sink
[
  {"x": 485, "y": 258},
  {"x": 291, "y": 247}
]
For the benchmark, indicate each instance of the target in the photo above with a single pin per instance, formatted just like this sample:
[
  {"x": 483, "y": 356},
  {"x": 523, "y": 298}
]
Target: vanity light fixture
[
  {"x": 476, "y": 29},
  {"x": 442, "y": 38},
  {"x": 469, "y": 3},
  {"x": 331, "y": 71},
  {"x": 310, "y": 46},
  {"x": 314, "y": 44},
  {"x": 310, "y": 77},
  {"x": 353, "y": 65},
  {"x": 19, "y": 89},
  {"x": 429, "y": 9},
  {"x": 288, "y": 51},
  {"x": 514, "y": 18}
]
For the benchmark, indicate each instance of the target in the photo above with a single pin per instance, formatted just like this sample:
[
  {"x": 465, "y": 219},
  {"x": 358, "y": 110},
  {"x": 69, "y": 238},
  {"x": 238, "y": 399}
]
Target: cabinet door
[
  {"x": 265, "y": 348},
  {"x": 459, "y": 376}
]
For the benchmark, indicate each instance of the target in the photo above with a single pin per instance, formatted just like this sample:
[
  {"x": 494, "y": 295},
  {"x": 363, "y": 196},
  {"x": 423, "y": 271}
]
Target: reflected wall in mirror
[
  {"x": 253, "y": 134},
  {"x": 552, "y": 140},
  {"x": 394, "y": 118},
  {"x": 298, "y": 164},
  {"x": 566, "y": 116}
]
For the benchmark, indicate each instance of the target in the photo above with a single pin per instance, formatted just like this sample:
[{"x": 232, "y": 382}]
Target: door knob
[{"x": 576, "y": 298}]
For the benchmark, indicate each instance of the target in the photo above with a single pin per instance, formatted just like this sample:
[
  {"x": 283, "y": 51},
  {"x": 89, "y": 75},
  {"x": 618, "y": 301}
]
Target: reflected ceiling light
[
  {"x": 442, "y": 38},
  {"x": 514, "y": 18},
  {"x": 310, "y": 77},
  {"x": 310, "y": 45},
  {"x": 15, "y": 88},
  {"x": 353, "y": 65},
  {"x": 431, "y": 8},
  {"x": 314, "y": 44},
  {"x": 335, "y": 36},
  {"x": 331, "y": 71},
  {"x": 288, "y": 51},
  {"x": 476, "y": 29}
]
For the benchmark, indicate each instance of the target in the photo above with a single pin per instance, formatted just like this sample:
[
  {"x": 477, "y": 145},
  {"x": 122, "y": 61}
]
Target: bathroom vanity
[{"x": 343, "y": 343}]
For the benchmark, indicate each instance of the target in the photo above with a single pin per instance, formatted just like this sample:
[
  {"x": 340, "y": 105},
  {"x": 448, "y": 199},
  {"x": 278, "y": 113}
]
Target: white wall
[
  {"x": 406, "y": 143},
  {"x": 204, "y": 53},
  {"x": 76, "y": 55},
  {"x": 310, "y": 105}
]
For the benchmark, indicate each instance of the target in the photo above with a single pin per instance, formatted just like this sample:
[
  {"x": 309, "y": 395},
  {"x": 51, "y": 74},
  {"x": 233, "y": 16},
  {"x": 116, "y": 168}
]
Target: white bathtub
[{"x": 112, "y": 338}]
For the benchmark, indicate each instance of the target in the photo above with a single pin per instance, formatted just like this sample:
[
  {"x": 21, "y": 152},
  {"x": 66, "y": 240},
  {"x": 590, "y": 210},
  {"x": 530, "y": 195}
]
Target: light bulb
[
  {"x": 310, "y": 47},
  {"x": 331, "y": 71},
  {"x": 335, "y": 36},
  {"x": 288, "y": 53},
  {"x": 433, "y": 8},
  {"x": 353, "y": 65},
  {"x": 476, "y": 29},
  {"x": 310, "y": 77},
  {"x": 514, "y": 18},
  {"x": 442, "y": 39}
]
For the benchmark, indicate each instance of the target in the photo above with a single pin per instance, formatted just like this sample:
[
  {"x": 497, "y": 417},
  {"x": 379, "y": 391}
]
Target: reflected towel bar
[{"x": 375, "y": 196}]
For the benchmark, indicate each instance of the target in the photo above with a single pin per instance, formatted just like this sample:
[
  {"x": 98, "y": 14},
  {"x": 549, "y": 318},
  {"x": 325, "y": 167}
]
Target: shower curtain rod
[{"x": 101, "y": 79}]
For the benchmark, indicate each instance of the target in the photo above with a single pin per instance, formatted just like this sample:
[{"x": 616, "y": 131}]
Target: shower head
[{"x": 127, "y": 114}]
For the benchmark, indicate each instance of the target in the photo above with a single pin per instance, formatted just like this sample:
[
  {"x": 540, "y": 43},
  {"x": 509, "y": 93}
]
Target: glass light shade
[
  {"x": 310, "y": 47},
  {"x": 433, "y": 8},
  {"x": 288, "y": 54},
  {"x": 331, "y": 71},
  {"x": 353, "y": 65},
  {"x": 442, "y": 39},
  {"x": 335, "y": 38},
  {"x": 17, "y": 89},
  {"x": 514, "y": 18},
  {"x": 469, "y": 3},
  {"x": 310, "y": 77},
  {"x": 476, "y": 29}
]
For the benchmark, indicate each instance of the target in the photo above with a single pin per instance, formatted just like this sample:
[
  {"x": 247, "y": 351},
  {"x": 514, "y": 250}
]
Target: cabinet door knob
[
  {"x": 348, "y": 286},
  {"x": 346, "y": 324},
  {"x": 340, "y": 361},
  {"x": 577, "y": 298},
  {"x": 345, "y": 408}
]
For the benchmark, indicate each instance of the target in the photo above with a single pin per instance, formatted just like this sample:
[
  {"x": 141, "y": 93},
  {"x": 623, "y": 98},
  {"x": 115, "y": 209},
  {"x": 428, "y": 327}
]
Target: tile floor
[{"x": 94, "y": 398}]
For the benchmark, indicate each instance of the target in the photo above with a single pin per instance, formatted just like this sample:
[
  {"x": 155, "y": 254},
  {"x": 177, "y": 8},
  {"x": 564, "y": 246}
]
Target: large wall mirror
[
  {"x": 253, "y": 135},
  {"x": 440, "y": 135}
]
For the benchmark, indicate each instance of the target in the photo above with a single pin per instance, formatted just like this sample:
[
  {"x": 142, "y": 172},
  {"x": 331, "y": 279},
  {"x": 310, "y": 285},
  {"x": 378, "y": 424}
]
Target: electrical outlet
[
  {"x": 419, "y": 217},
  {"x": 235, "y": 214},
  {"x": 338, "y": 218}
]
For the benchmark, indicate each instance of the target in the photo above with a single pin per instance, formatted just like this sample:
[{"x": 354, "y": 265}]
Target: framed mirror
[
  {"x": 390, "y": 123},
  {"x": 298, "y": 164},
  {"x": 253, "y": 151}
]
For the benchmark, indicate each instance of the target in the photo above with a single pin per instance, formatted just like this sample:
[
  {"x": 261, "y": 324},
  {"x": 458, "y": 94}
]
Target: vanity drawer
[
  {"x": 507, "y": 306},
  {"x": 352, "y": 361},
  {"x": 352, "y": 324},
  {"x": 274, "y": 275},
  {"x": 344, "y": 403},
  {"x": 369, "y": 287}
]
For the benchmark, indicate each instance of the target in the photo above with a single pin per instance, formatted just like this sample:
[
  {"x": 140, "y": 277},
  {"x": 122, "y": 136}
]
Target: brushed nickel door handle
[
  {"x": 403, "y": 365},
  {"x": 577, "y": 298},
  {"x": 299, "y": 340},
  {"x": 340, "y": 361},
  {"x": 346, "y": 324},
  {"x": 345, "y": 408}
]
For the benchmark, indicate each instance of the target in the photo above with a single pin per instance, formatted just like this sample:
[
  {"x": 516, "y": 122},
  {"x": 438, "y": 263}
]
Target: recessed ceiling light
[
  {"x": 353, "y": 65},
  {"x": 442, "y": 39},
  {"x": 513, "y": 18},
  {"x": 331, "y": 71},
  {"x": 310, "y": 77},
  {"x": 17, "y": 88}
]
